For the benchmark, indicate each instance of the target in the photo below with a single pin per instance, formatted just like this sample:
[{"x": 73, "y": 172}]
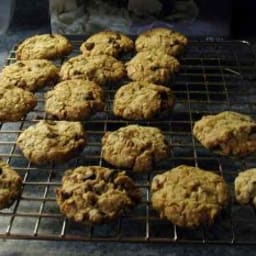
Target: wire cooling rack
[{"x": 215, "y": 76}]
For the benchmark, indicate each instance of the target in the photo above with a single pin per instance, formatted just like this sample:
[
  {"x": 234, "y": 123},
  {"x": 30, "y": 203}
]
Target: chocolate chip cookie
[
  {"x": 245, "y": 187},
  {"x": 152, "y": 66},
  {"x": 46, "y": 46},
  {"x": 100, "y": 69},
  {"x": 142, "y": 100},
  {"x": 108, "y": 43},
  {"x": 135, "y": 147},
  {"x": 74, "y": 100},
  {"x": 30, "y": 75},
  {"x": 168, "y": 41},
  {"x": 15, "y": 103},
  {"x": 227, "y": 133},
  {"x": 188, "y": 196},
  {"x": 94, "y": 194},
  {"x": 10, "y": 185},
  {"x": 52, "y": 141}
]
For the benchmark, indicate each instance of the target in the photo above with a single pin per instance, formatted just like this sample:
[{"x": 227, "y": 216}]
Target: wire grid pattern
[{"x": 215, "y": 76}]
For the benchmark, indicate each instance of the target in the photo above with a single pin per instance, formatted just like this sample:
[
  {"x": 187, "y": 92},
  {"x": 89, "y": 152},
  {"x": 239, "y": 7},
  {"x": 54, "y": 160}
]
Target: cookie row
[
  {"x": 185, "y": 195},
  {"x": 51, "y": 46}
]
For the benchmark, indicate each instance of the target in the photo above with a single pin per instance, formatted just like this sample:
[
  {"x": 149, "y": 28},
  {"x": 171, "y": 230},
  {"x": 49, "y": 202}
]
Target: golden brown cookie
[
  {"x": 15, "y": 102},
  {"x": 10, "y": 185},
  {"x": 245, "y": 187},
  {"x": 100, "y": 69},
  {"x": 74, "y": 100},
  {"x": 46, "y": 46},
  {"x": 30, "y": 75},
  {"x": 167, "y": 40},
  {"x": 52, "y": 141},
  {"x": 135, "y": 147},
  {"x": 94, "y": 194},
  {"x": 142, "y": 100},
  {"x": 227, "y": 133},
  {"x": 188, "y": 196},
  {"x": 152, "y": 66},
  {"x": 108, "y": 43}
]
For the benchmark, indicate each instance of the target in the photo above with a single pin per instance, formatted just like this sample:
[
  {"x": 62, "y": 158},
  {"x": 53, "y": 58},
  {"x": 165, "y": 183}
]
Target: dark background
[{"x": 239, "y": 14}]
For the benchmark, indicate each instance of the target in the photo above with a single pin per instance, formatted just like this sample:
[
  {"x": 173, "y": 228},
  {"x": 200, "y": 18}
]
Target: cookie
[
  {"x": 52, "y": 141},
  {"x": 100, "y": 69},
  {"x": 142, "y": 100},
  {"x": 10, "y": 185},
  {"x": 188, "y": 196},
  {"x": 94, "y": 194},
  {"x": 30, "y": 75},
  {"x": 108, "y": 43},
  {"x": 227, "y": 133},
  {"x": 245, "y": 187},
  {"x": 152, "y": 66},
  {"x": 15, "y": 103},
  {"x": 74, "y": 100},
  {"x": 46, "y": 46},
  {"x": 168, "y": 41},
  {"x": 135, "y": 147}
]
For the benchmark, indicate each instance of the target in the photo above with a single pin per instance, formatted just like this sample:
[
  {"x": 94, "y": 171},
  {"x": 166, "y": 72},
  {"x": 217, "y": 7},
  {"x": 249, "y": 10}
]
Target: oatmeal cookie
[
  {"x": 46, "y": 46},
  {"x": 30, "y": 75},
  {"x": 152, "y": 66},
  {"x": 107, "y": 42},
  {"x": 15, "y": 103},
  {"x": 142, "y": 100},
  {"x": 52, "y": 141},
  {"x": 245, "y": 187},
  {"x": 10, "y": 185},
  {"x": 100, "y": 69},
  {"x": 227, "y": 133},
  {"x": 94, "y": 194},
  {"x": 74, "y": 100},
  {"x": 188, "y": 196},
  {"x": 168, "y": 41},
  {"x": 135, "y": 147}
]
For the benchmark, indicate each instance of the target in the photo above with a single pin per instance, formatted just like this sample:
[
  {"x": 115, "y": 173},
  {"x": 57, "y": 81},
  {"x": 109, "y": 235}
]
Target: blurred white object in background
[{"x": 6, "y": 12}]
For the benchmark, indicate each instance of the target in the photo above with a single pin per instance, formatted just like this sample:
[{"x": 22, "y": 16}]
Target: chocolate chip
[
  {"x": 89, "y": 46},
  {"x": 76, "y": 72},
  {"x": 154, "y": 68},
  {"x": 89, "y": 96},
  {"x": 66, "y": 195},
  {"x": 20, "y": 64},
  {"x": 118, "y": 36},
  {"x": 50, "y": 122},
  {"x": 52, "y": 135},
  {"x": 89, "y": 176},
  {"x": 1, "y": 170},
  {"x": 112, "y": 175}
]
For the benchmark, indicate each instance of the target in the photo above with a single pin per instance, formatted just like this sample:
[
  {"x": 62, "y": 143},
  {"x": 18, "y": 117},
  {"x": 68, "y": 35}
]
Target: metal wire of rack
[{"x": 215, "y": 76}]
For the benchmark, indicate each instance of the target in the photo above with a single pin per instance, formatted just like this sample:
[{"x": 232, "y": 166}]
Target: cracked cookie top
[
  {"x": 227, "y": 133},
  {"x": 46, "y": 46},
  {"x": 135, "y": 147},
  {"x": 142, "y": 100},
  {"x": 94, "y": 194},
  {"x": 52, "y": 141},
  {"x": 30, "y": 75},
  {"x": 169, "y": 41},
  {"x": 74, "y": 100},
  {"x": 15, "y": 102},
  {"x": 100, "y": 69},
  {"x": 108, "y": 43},
  {"x": 188, "y": 196},
  {"x": 152, "y": 66}
]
